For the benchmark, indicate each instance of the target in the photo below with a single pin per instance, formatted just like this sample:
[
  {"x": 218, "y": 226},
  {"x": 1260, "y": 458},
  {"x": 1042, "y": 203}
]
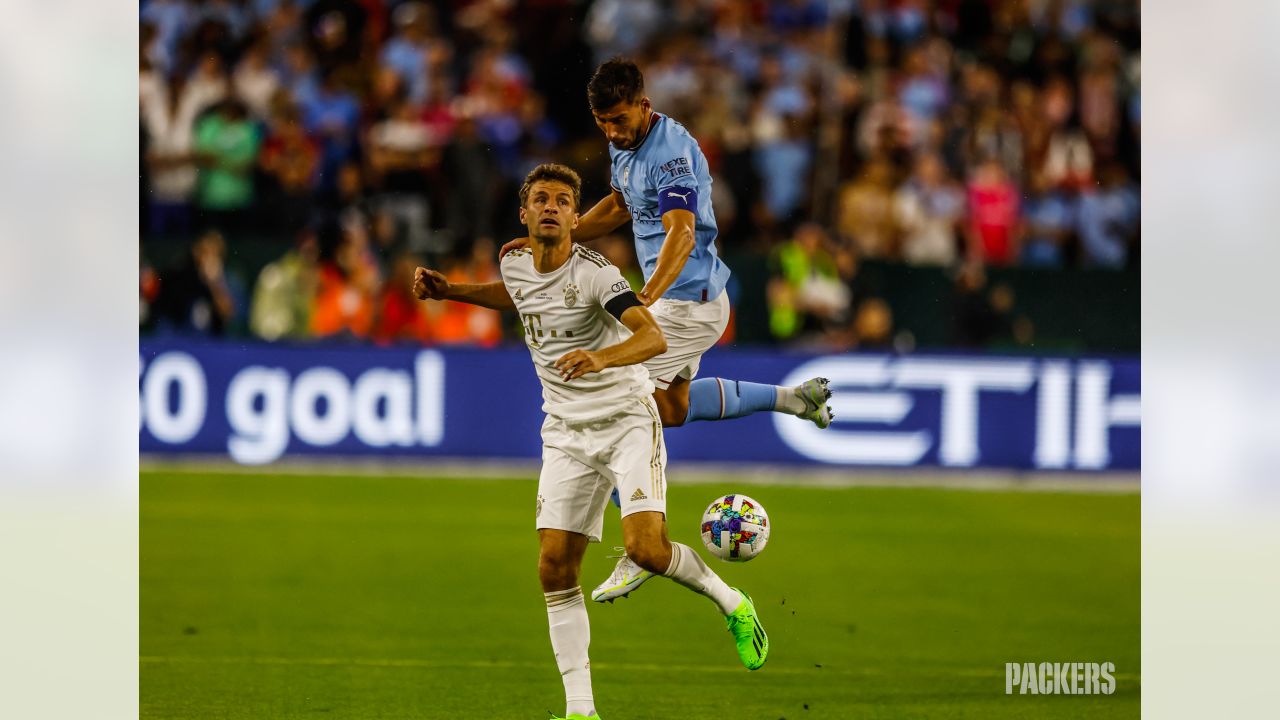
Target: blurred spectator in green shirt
[{"x": 226, "y": 144}]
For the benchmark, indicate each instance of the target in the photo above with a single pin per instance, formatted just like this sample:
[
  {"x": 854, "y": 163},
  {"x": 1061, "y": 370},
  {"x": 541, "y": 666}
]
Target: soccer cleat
[
  {"x": 627, "y": 576},
  {"x": 576, "y": 716},
  {"x": 815, "y": 394},
  {"x": 753, "y": 641}
]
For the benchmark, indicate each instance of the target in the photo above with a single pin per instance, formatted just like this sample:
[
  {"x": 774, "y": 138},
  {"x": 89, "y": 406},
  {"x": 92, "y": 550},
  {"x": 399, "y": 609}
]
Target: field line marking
[
  {"x": 627, "y": 667},
  {"x": 687, "y": 473}
]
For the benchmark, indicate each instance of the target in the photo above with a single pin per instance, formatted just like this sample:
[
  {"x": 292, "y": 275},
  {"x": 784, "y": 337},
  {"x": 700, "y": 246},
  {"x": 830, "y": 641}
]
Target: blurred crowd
[{"x": 354, "y": 139}]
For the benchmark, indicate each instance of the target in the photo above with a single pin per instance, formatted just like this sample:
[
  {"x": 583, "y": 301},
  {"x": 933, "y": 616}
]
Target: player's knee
[
  {"x": 672, "y": 414},
  {"x": 652, "y": 555},
  {"x": 556, "y": 573}
]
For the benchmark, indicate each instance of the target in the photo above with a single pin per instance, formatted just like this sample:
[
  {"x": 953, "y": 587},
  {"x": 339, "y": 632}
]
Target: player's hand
[
  {"x": 429, "y": 285},
  {"x": 578, "y": 363},
  {"x": 644, "y": 299},
  {"x": 520, "y": 242}
]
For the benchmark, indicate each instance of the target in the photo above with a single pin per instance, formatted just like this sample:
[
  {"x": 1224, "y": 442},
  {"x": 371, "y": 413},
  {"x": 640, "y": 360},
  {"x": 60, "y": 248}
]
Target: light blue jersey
[{"x": 667, "y": 170}]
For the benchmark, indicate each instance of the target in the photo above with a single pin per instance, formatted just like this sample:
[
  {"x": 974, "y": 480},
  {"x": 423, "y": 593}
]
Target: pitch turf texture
[{"x": 277, "y": 596}]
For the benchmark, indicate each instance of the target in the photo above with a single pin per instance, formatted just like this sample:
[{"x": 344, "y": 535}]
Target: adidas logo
[
  {"x": 519, "y": 295},
  {"x": 638, "y": 495}
]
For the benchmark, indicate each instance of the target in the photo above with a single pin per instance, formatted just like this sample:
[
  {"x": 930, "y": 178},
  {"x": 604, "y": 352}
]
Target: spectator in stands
[
  {"x": 1068, "y": 159},
  {"x": 461, "y": 324},
  {"x": 983, "y": 316},
  {"x": 255, "y": 81},
  {"x": 1110, "y": 219},
  {"x": 928, "y": 210},
  {"x": 348, "y": 282},
  {"x": 290, "y": 162},
  {"x": 226, "y": 144},
  {"x": 401, "y": 317},
  {"x": 993, "y": 215},
  {"x": 865, "y": 212},
  {"x": 194, "y": 296},
  {"x": 332, "y": 115},
  {"x": 807, "y": 291},
  {"x": 168, "y": 113},
  {"x": 286, "y": 291},
  {"x": 1049, "y": 218},
  {"x": 408, "y": 51}
]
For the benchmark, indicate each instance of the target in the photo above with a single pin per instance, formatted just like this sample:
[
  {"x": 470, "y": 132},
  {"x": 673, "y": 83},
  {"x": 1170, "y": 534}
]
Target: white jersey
[{"x": 564, "y": 310}]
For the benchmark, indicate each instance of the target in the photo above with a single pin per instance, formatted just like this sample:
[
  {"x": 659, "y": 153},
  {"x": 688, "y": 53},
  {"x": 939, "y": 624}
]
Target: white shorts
[
  {"x": 583, "y": 462},
  {"x": 692, "y": 328}
]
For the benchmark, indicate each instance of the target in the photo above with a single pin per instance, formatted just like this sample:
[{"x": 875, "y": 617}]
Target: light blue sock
[{"x": 719, "y": 399}]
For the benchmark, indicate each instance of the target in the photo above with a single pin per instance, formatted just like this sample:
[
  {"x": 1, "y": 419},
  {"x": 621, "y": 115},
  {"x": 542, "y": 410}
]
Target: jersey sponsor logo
[
  {"x": 533, "y": 329},
  {"x": 542, "y": 296},
  {"x": 620, "y": 286},
  {"x": 677, "y": 167},
  {"x": 570, "y": 295}
]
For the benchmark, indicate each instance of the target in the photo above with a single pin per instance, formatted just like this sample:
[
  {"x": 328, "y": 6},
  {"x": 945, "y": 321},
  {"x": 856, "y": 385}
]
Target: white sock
[
  {"x": 570, "y": 636},
  {"x": 688, "y": 569},
  {"x": 788, "y": 400}
]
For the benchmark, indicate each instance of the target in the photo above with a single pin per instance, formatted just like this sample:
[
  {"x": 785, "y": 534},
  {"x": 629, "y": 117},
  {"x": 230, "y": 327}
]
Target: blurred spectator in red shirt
[
  {"x": 290, "y": 160},
  {"x": 401, "y": 316},
  {"x": 993, "y": 215}
]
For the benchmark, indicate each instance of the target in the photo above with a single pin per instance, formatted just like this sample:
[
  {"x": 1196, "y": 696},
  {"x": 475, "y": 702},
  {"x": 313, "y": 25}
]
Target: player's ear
[
  {"x": 522, "y": 217},
  {"x": 576, "y": 218}
]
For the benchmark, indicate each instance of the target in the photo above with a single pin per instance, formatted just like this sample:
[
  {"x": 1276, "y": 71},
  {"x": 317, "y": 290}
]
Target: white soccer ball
[{"x": 735, "y": 528}]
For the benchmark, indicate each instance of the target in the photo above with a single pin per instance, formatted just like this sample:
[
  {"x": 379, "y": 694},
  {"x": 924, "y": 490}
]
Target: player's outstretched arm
[
  {"x": 431, "y": 285},
  {"x": 603, "y": 218},
  {"x": 675, "y": 251},
  {"x": 645, "y": 342}
]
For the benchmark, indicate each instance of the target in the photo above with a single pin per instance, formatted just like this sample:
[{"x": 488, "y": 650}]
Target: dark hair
[
  {"x": 616, "y": 80},
  {"x": 554, "y": 172}
]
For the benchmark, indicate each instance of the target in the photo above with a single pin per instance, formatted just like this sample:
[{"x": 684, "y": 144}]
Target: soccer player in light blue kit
[{"x": 661, "y": 183}]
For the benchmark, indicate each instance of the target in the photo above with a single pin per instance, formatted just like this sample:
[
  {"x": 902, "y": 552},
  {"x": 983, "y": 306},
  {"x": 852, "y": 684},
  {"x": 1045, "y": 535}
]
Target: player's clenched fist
[
  {"x": 578, "y": 363},
  {"x": 429, "y": 285}
]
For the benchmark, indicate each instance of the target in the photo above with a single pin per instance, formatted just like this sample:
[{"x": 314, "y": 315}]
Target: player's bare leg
[
  {"x": 649, "y": 547},
  {"x": 559, "y": 560},
  {"x": 673, "y": 402}
]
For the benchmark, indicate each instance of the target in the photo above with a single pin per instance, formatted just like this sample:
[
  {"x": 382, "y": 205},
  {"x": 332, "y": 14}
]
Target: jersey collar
[{"x": 654, "y": 117}]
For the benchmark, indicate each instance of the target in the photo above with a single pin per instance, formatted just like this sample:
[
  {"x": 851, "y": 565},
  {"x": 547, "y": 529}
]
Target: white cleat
[
  {"x": 627, "y": 576},
  {"x": 815, "y": 394}
]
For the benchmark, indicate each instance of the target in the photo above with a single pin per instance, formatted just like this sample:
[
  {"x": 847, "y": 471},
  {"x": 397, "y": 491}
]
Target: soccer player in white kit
[{"x": 602, "y": 430}]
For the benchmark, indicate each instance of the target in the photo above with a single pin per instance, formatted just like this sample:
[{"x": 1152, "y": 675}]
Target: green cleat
[
  {"x": 576, "y": 716},
  {"x": 815, "y": 394},
  {"x": 753, "y": 641}
]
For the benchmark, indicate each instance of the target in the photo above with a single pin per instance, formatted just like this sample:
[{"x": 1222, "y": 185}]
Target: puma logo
[{"x": 684, "y": 197}]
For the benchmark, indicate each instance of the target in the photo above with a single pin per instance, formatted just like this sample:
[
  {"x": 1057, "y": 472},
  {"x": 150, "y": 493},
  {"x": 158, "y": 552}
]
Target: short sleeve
[
  {"x": 607, "y": 284},
  {"x": 675, "y": 168}
]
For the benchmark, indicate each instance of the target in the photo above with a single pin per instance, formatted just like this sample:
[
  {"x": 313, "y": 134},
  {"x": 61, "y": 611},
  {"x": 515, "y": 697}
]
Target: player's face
[
  {"x": 623, "y": 123},
  {"x": 549, "y": 212}
]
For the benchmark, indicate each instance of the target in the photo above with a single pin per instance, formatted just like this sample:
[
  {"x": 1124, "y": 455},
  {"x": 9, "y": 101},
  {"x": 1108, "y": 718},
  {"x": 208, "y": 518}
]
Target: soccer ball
[{"x": 735, "y": 528}]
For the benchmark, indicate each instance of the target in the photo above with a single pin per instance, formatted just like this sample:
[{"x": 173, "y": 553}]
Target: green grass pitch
[{"x": 280, "y": 597}]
